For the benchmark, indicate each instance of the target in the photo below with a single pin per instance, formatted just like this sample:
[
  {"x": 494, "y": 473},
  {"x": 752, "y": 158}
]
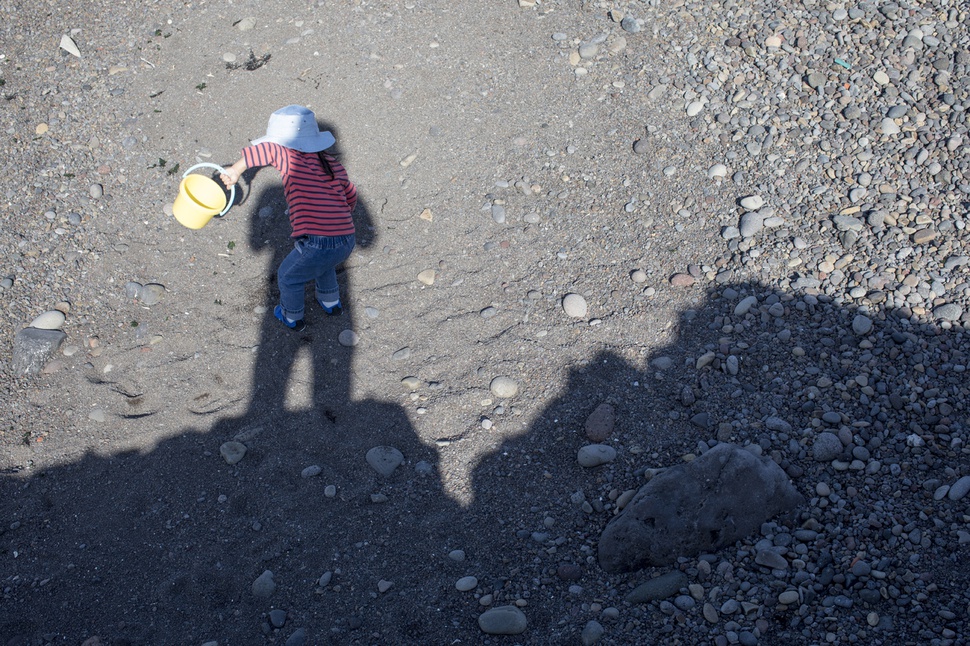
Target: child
[{"x": 320, "y": 198}]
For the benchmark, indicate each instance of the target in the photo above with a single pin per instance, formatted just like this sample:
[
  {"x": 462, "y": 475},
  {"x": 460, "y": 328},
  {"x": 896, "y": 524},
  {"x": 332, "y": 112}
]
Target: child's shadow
[{"x": 301, "y": 393}]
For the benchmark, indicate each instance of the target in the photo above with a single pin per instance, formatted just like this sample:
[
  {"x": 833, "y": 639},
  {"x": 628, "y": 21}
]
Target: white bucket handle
[{"x": 232, "y": 189}]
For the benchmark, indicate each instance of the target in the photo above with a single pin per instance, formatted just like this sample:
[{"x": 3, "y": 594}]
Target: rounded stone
[
  {"x": 232, "y": 451},
  {"x": 503, "y": 620},
  {"x": 384, "y": 459},
  {"x": 592, "y": 633},
  {"x": 959, "y": 489},
  {"x": 752, "y": 202},
  {"x": 348, "y": 338},
  {"x": 788, "y": 597},
  {"x": 826, "y": 447},
  {"x": 861, "y": 325},
  {"x": 311, "y": 471},
  {"x": 504, "y": 387},
  {"x": 948, "y": 312},
  {"x": 264, "y": 586},
  {"x": 151, "y": 294},
  {"x": 594, "y": 455},
  {"x": 51, "y": 320},
  {"x": 466, "y": 584},
  {"x": 574, "y": 305}
]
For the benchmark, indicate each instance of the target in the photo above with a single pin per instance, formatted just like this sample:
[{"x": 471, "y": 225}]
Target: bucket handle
[{"x": 232, "y": 189}]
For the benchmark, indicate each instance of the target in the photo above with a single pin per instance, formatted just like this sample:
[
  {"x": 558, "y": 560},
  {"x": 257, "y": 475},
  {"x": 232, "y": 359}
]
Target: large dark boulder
[{"x": 700, "y": 506}]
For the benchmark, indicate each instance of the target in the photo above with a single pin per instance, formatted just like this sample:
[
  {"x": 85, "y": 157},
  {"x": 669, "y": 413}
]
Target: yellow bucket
[{"x": 200, "y": 199}]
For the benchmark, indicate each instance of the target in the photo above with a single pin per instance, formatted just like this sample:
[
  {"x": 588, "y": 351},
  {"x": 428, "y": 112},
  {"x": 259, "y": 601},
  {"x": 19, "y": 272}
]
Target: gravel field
[{"x": 721, "y": 222}]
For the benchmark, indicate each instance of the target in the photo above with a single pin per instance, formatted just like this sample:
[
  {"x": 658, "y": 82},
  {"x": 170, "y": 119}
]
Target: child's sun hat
[{"x": 296, "y": 127}]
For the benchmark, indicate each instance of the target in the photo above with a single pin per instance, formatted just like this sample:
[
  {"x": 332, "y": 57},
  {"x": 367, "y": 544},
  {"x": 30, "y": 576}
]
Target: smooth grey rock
[
  {"x": 771, "y": 559},
  {"x": 504, "y": 387},
  {"x": 50, "y": 320},
  {"x": 701, "y": 506},
  {"x": 861, "y": 325},
  {"x": 151, "y": 294},
  {"x": 959, "y": 489},
  {"x": 745, "y": 305},
  {"x": 630, "y": 24},
  {"x": 948, "y": 312},
  {"x": 298, "y": 638},
  {"x": 232, "y": 451},
  {"x": 33, "y": 347},
  {"x": 657, "y": 588},
  {"x": 133, "y": 289},
  {"x": 593, "y": 455},
  {"x": 777, "y": 424},
  {"x": 574, "y": 305},
  {"x": 277, "y": 617},
  {"x": 503, "y": 620},
  {"x": 751, "y": 224},
  {"x": 384, "y": 459},
  {"x": 264, "y": 586},
  {"x": 826, "y": 447},
  {"x": 593, "y": 631}
]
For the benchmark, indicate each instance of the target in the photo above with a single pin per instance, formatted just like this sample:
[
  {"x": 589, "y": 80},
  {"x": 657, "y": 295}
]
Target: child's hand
[{"x": 230, "y": 177}]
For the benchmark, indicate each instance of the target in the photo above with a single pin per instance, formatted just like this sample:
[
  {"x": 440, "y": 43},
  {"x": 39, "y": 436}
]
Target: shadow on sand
[{"x": 163, "y": 547}]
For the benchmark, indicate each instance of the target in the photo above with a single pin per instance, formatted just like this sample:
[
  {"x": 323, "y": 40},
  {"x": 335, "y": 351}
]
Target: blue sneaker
[
  {"x": 296, "y": 326},
  {"x": 336, "y": 310}
]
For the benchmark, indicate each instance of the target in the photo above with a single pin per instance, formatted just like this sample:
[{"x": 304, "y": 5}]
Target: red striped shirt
[{"x": 319, "y": 205}]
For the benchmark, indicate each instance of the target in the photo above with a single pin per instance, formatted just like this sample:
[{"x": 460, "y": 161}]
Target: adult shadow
[{"x": 771, "y": 376}]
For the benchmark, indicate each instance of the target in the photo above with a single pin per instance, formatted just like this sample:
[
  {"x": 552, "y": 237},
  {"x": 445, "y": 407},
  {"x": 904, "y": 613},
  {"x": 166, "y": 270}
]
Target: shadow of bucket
[{"x": 200, "y": 198}]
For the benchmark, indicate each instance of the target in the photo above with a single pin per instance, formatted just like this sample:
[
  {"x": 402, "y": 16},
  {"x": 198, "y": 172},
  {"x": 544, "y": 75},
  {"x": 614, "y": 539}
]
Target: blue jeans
[{"x": 313, "y": 258}]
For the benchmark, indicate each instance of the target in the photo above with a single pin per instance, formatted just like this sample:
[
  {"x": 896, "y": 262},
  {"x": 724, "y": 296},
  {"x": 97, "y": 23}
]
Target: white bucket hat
[{"x": 296, "y": 127}]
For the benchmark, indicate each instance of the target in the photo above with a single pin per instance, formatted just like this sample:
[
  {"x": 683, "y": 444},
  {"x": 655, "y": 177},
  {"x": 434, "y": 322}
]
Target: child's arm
[{"x": 231, "y": 176}]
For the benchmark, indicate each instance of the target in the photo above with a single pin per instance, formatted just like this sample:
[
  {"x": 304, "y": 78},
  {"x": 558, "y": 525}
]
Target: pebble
[
  {"x": 264, "y": 586},
  {"x": 503, "y": 620},
  {"x": 311, "y": 471},
  {"x": 384, "y": 459},
  {"x": 50, "y": 320},
  {"x": 889, "y": 127},
  {"x": 682, "y": 280},
  {"x": 751, "y": 224},
  {"x": 466, "y": 584},
  {"x": 658, "y": 588},
  {"x": 948, "y": 312},
  {"x": 232, "y": 451},
  {"x": 959, "y": 489},
  {"x": 504, "y": 387},
  {"x": 788, "y": 597},
  {"x": 151, "y": 294},
  {"x": 717, "y": 171},
  {"x": 861, "y": 325},
  {"x": 752, "y": 202},
  {"x": 427, "y": 277},
  {"x": 277, "y": 618},
  {"x": 826, "y": 447},
  {"x": 574, "y": 305},
  {"x": 594, "y": 455},
  {"x": 592, "y": 633},
  {"x": 348, "y": 338}
]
